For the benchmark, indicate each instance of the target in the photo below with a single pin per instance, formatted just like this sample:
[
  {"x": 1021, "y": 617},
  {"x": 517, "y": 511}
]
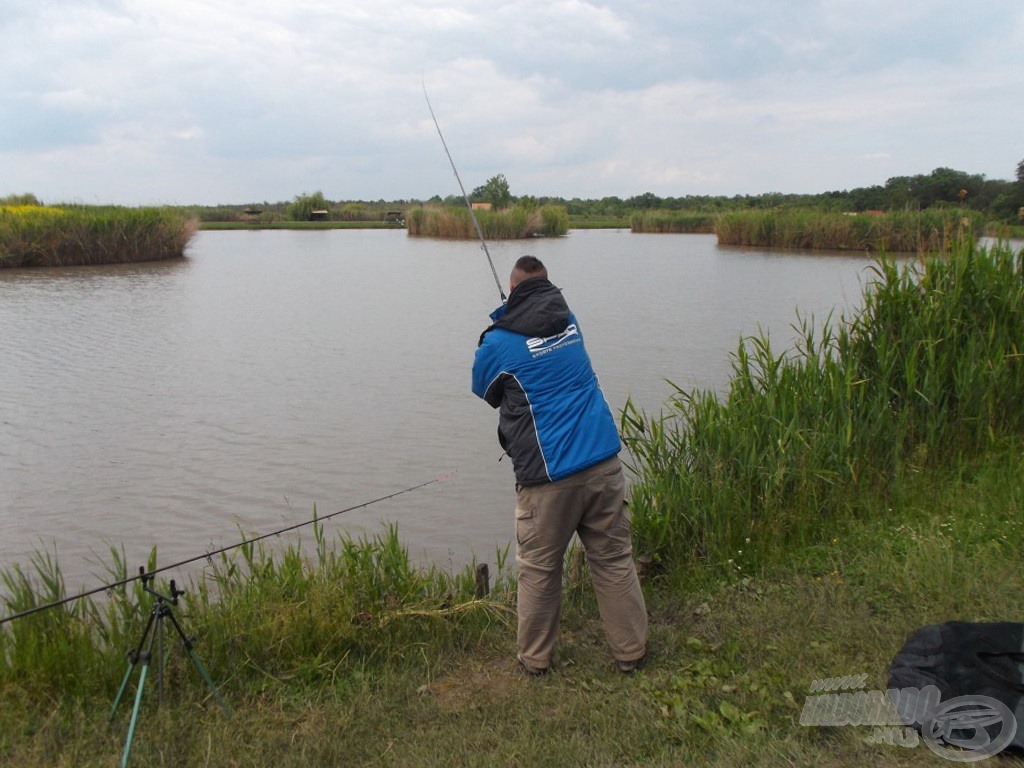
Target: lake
[{"x": 181, "y": 404}]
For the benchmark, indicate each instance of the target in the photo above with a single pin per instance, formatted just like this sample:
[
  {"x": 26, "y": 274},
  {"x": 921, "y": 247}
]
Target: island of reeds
[
  {"x": 516, "y": 222},
  {"x": 500, "y": 216},
  {"x": 45, "y": 236},
  {"x": 798, "y": 526}
]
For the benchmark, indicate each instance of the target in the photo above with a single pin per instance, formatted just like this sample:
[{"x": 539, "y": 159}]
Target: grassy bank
[
  {"x": 40, "y": 236},
  {"x": 598, "y": 222},
  {"x": 506, "y": 224},
  {"x": 837, "y": 497},
  {"x": 415, "y": 678},
  {"x": 928, "y": 231},
  {"x": 675, "y": 222}
]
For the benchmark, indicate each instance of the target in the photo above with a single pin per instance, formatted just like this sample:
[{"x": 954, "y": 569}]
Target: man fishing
[{"x": 557, "y": 428}]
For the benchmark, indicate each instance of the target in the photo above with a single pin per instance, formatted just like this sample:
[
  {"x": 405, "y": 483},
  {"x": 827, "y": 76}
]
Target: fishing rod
[
  {"x": 472, "y": 215},
  {"x": 207, "y": 556}
]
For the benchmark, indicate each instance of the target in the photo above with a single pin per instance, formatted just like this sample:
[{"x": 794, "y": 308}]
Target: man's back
[{"x": 532, "y": 363}]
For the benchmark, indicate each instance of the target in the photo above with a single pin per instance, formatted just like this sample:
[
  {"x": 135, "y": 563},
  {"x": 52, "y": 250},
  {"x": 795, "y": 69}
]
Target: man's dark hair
[{"x": 529, "y": 265}]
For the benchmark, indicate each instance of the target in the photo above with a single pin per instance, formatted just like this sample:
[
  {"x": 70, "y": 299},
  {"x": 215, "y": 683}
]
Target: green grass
[
  {"x": 732, "y": 656},
  {"x": 33, "y": 235},
  {"x": 598, "y": 222}
]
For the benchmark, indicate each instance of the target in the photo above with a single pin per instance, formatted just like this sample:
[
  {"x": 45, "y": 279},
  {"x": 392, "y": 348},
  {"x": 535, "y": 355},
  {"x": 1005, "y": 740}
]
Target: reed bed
[
  {"x": 673, "y": 222},
  {"x": 40, "y": 236},
  {"x": 927, "y": 231},
  {"x": 507, "y": 224},
  {"x": 929, "y": 372}
]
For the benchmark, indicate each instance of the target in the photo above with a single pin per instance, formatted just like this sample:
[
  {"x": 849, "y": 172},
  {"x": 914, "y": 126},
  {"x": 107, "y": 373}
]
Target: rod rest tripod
[{"x": 142, "y": 654}]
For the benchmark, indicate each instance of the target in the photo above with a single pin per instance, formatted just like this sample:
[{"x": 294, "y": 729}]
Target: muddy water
[{"x": 177, "y": 404}]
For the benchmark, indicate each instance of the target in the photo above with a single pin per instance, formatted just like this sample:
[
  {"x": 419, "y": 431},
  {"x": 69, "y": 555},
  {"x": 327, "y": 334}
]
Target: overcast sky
[{"x": 232, "y": 101}]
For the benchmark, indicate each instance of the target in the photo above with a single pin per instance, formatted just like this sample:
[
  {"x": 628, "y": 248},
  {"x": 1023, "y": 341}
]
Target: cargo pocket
[{"x": 526, "y": 525}]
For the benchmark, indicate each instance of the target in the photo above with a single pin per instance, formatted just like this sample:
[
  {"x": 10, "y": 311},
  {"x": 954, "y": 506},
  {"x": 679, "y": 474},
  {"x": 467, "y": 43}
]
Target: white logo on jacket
[{"x": 542, "y": 345}]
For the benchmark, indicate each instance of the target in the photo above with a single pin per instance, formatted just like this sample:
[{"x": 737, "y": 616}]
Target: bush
[{"x": 303, "y": 206}]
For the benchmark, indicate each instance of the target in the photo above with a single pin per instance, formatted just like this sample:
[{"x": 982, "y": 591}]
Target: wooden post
[{"x": 483, "y": 580}]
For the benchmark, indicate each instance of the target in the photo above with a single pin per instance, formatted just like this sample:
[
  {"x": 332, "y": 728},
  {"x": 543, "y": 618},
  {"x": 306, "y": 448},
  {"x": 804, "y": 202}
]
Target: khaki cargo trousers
[{"x": 590, "y": 503}]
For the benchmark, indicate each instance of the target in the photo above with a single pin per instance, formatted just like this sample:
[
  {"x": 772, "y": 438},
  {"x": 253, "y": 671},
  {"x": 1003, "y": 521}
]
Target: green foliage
[
  {"x": 13, "y": 200},
  {"x": 494, "y": 191},
  {"x": 554, "y": 221},
  {"x": 301, "y": 209},
  {"x": 70, "y": 648},
  {"x": 929, "y": 371}
]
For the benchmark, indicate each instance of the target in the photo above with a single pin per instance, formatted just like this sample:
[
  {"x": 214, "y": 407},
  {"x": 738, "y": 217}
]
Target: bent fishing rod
[
  {"x": 209, "y": 555},
  {"x": 472, "y": 215}
]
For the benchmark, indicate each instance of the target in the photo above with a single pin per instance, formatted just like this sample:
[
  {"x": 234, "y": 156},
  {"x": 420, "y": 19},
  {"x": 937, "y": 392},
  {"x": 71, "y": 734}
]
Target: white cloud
[{"x": 197, "y": 101}]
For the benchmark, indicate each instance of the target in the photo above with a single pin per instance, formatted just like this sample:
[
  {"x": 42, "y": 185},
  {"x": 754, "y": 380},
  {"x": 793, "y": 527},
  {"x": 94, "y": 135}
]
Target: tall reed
[
  {"x": 675, "y": 222},
  {"x": 43, "y": 236},
  {"x": 929, "y": 370},
  {"x": 927, "y": 231},
  {"x": 505, "y": 224}
]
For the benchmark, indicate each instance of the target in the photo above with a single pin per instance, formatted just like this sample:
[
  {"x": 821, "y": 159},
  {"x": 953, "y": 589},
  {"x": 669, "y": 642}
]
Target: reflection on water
[{"x": 175, "y": 404}]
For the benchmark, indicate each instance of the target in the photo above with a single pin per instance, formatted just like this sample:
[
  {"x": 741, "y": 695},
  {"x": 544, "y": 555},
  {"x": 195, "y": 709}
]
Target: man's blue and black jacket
[{"x": 531, "y": 363}]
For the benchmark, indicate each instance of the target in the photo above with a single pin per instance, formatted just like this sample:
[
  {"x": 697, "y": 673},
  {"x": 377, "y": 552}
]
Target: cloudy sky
[{"x": 231, "y": 101}]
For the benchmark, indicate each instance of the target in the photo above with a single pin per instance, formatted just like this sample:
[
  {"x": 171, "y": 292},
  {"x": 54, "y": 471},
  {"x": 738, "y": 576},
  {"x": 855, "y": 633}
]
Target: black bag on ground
[{"x": 964, "y": 659}]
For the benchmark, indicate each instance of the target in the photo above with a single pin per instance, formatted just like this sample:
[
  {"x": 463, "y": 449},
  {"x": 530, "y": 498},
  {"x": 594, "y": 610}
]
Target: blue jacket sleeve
[{"x": 487, "y": 369}]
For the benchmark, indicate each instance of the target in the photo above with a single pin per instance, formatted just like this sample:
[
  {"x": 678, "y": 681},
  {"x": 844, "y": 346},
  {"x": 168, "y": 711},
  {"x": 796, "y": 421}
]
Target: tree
[
  {"x": 646, "y": 200},
  {"x": 26, "y": 199},
  {"x": 301, "y": 209},
  {"x": 494, "y": 191}
]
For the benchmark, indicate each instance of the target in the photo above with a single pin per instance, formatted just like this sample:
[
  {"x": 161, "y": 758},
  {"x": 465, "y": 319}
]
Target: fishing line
[
  {"x": 222, "y": 550},
  {"x": 472, "y": 215}
]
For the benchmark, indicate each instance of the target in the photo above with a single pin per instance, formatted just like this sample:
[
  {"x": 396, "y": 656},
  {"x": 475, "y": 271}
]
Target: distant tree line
[
  {"x": 943, "y": 187},
  {"x": 996, "y": 199}
]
